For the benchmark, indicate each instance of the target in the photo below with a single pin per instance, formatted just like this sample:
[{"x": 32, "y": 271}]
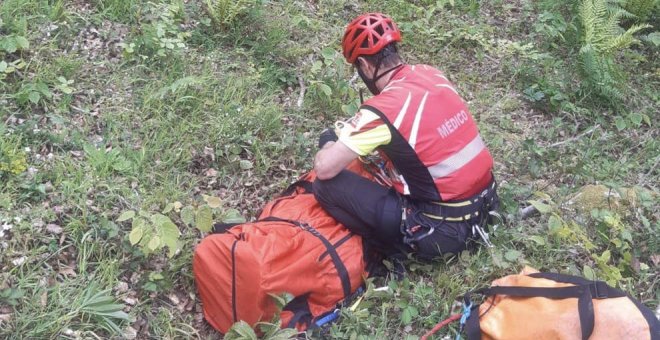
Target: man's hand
[{"x": 328, "y": 135}]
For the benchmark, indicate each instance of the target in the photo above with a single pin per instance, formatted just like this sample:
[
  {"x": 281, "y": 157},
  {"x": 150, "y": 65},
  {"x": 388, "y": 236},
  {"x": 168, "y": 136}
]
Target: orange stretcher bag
[
  {"x": 534, "y": 305},
  {"x": 295, "y": 247}
]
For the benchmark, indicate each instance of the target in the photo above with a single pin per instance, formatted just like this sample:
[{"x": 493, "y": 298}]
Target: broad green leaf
[
  {"x": 653, "y": 38},
  {"x": 325, "y": 89},
  {"x": 512, "y": 255},
  {"x": 605, "y": 257},
  {"x": 138, "y": 231},
  {"x": 588, "y": 273},
  {"x": 498, "y": 259},
  {"x": 240, "y": 331},
  {"x": 43, "y": 88},
  {"x": 541, "y": 207},
  {"x": 284, "y": 334},
  {"x": 22, "y": 43},
  {"x": 408, "y": 314},
  {"x": 538, "y": 240},
  {"x": 169, "y": 231},
  {"x": 212, "y": 201},
  {"x": 204, "y": 218},
  {"x": 245, "y": 164},
  {"x": 554, "y": 223},
  {"x": 232, "y": 216},
  {"x": 188, "y": 215},
  {"x": 126, "y": 215},
  {"x": 328, "y": 53},
  {"x": 636, "y": 118},
  {"x": 154, "y": 243},
  {"x": 168, "y": 208},
  {"x": 620, "y": 123},
  {"x": 3, "y": 66},
  {"x": 281, "y": 300},
  {"x": 170, "y": 235},
  {"x": 34, "y": 97},
  {"x": 159, "y": 220},
  {"x": 10, "y": 45}
]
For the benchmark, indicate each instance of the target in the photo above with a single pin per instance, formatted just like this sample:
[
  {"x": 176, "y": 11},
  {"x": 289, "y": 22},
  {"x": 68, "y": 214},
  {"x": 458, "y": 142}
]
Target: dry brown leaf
[
  {"x": 211, "y": 172},
  {"x": 68, "y": 271},
  {"x": 175, "y": 299},
  {"x": 655, "y": 258},
  {"x": 130, "y": 301},
  {"x": 43, "y": 300},
  {"x": 121, "y": 287},
  {"x": 54, "y": 228},
  {"x": 129, "y": 333},
  {"x": 5, "y": 318}
]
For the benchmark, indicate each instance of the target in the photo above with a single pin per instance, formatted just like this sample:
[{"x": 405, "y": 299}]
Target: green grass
[{"x": 142, "y": 127}]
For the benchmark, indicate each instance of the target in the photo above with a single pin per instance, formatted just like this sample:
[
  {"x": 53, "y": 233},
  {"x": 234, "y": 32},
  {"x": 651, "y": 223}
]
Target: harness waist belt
[{"x": 463, "y": 210}]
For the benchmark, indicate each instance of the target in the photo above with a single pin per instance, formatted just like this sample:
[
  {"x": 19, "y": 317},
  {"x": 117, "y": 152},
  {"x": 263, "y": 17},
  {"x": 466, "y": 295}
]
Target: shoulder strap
[
  {"x": 220, "y": 228},
  {"x": 299, "y": 306},
  {"x": 336, "y": 259}
]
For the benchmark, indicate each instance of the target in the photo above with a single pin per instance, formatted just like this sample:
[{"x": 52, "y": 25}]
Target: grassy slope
[{"x": 139, "y": 133}]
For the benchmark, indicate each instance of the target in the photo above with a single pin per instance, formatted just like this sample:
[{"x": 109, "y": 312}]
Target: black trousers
[{"x": 374, "y": 212}]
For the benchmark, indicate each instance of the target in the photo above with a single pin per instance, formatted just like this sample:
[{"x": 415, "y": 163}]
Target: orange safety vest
[{"x": 436, "y": 152}]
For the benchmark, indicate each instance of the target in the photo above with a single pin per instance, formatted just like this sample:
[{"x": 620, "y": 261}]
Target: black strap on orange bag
[{"x": 584, "y": 290}]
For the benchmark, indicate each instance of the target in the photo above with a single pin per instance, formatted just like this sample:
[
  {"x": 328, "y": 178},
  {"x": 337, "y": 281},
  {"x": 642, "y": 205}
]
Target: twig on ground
[
  {"x": 303, "y": 88},
  {"x": 576, "y": 137}
]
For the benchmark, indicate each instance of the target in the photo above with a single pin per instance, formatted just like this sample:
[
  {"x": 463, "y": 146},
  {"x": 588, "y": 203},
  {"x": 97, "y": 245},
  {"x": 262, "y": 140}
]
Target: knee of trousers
[
  {"x": 320, "y": 189},
  {"x": 325, "y": 190}
]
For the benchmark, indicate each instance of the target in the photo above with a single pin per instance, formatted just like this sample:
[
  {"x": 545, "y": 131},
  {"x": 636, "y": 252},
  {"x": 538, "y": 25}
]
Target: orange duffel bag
[
  {"x": 534, "y": 305},
  {"x": 295, "y": 247}
]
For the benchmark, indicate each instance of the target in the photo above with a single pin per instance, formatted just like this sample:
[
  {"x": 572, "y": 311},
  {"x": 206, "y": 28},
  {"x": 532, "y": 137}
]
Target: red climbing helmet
[{"x": 368, "y": 34}]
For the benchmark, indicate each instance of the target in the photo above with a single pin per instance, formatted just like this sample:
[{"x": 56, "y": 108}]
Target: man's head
[{"x": 369, "y": 43}]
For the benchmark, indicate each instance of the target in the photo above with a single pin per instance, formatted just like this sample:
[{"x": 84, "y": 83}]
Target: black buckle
[{"x": 599, "y": 290}]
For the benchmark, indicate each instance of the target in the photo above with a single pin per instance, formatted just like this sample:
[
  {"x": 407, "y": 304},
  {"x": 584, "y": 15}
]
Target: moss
[{"x": 599, "y": 196}]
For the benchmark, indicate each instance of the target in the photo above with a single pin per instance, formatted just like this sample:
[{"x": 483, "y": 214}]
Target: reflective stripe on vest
[{"x": 459, "y": 159}]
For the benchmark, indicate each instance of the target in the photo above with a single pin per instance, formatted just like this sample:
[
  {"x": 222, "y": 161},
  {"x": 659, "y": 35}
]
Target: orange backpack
[{"x": 295, "y": 247}]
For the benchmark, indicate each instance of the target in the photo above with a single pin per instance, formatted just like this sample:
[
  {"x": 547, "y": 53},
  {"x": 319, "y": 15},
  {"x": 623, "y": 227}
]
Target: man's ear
[{"x": 365, "y": 66}]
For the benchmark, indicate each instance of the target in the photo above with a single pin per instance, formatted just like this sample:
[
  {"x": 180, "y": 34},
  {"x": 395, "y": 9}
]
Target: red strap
[{"x": 441, "y": 324}]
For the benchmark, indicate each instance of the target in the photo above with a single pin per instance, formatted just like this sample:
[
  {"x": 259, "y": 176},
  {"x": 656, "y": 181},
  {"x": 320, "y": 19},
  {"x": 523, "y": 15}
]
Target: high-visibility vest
[{"x": 436, "y": 152}]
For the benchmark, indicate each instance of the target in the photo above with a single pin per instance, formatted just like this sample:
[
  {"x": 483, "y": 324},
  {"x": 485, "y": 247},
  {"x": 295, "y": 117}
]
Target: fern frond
[
  {"x": 626, "y": 39},
  {"x": 602, "y": 37}
]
